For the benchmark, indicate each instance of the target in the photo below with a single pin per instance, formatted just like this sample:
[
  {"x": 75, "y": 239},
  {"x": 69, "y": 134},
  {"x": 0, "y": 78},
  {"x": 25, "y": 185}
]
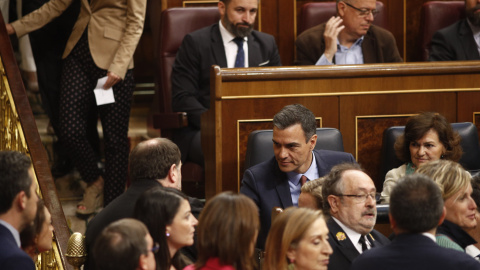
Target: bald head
[{"x": 152, "y": 159}]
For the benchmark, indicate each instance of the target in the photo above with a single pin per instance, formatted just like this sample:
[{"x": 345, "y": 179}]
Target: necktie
[
  {"x": 303, "y": 180},
  {"x": 363, "y": 243},
  {"x": 240, "y": 60}
]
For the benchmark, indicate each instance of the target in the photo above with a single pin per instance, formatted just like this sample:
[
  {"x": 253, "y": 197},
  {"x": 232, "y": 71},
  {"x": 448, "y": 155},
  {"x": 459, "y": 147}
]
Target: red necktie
[{"x": 303, "y": 180}]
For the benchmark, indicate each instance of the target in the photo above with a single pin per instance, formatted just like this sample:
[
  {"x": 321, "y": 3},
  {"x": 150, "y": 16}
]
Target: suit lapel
[
  {"x": 254, "y": 56},
  {"x": 282, "y": 187},
  {"x": 368, "y": 49},
  {"x": 218, "y": 50},
  {"x": 468, "y": 42},
  {"x": 340, "y": 238}
]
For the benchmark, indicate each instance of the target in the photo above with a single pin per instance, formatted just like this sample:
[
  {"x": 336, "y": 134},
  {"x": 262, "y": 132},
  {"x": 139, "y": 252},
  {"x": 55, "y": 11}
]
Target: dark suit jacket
[
  {"x": 11, "y": 256},
  {"x": 123, "y": 207},
  {"x": 198, "y": 52},
  {"x": 414, "y": 252},
  {"x": 268, "y": 186},
  {"x": 454, "y": 42},
  {"x": 344, "y": 252},
  {"x": 378, "y": 46}
]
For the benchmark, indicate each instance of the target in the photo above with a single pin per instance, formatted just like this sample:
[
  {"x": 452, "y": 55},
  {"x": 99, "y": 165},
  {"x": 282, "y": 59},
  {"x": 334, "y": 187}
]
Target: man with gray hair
[
  {"x": 154, "y": 162},
  {"x": 348, "y": 38},
  {"x": 277, "y": 182},
  {"x": 349, "y": 197},
  {"x": 416, "y": 209},
  {"x": 459, "y": 41}
]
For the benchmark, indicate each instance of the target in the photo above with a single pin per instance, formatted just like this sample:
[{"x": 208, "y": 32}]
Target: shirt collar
[
  {"x": 429, "y": 235},
  {"x": 226, "y": 35},
  {"x": 14, "y": 231},
  {"x": 311, "y": 173},
  {"x": 357, "y": 42},
  {"x": 353, "y": 235},
  {"x": 475, "y": 29}
]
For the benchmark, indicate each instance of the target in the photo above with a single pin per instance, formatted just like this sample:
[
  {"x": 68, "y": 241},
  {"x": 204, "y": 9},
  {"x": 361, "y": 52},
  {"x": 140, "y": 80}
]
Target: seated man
[
  {"x": 461, "y": 40},
  {"x": 277, "y": 182},
  {"x": 349, "y": 38},
  {"x": 18, "y": 207},
  {"x": 231, "y": 42},
  {"x": 125, "y": 244},
  {"x": 152, "y": 163},
  {"x": 349, "y": 198},
  {"x": 416, "y": 209}
]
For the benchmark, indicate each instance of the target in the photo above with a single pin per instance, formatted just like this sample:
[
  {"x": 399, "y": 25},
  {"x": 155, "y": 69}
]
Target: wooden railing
[{"x": 19, "y": 132}]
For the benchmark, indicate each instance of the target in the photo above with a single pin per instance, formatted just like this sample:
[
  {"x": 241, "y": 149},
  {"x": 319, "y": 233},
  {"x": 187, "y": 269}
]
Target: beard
[
  {"x": 239, "y": 29},
  {"x": 473, "y": 17}
]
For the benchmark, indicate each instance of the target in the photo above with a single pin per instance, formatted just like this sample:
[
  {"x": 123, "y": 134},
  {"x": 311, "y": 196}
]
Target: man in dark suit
[
  {"x": 277, "y": 182},
  {"x": 416, "y": 209},
  {"x": 155, "y": 162},
  {"x": 349, "y": 198},
  {"x": 18, "y": 207},
  {"x": 459, "y": 41},
  {"x": 349, "y": 38},
  {"x": 215, "y": 45}
]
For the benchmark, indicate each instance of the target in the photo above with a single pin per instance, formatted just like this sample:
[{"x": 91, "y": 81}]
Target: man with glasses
[
  {"x": 349, "y": 198},
  {"x": 125, "y": 244},
  {"x": 348, "y": 38}
]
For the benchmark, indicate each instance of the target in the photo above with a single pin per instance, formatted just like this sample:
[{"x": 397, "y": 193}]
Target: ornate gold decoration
[
  {"x": 76, "y": 251},
  {"x": 341, "y": 236}
]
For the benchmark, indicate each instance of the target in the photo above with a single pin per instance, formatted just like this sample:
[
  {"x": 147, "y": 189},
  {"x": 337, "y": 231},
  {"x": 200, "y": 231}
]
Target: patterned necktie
[
  {"x": 363, "y": 243},
  {"x": 240, "y": 60},
  {"x": 303, "y": 180}
]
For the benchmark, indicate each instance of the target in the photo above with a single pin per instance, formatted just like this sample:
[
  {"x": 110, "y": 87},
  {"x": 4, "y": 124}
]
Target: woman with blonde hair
[
  {"x": 227, "y": 230},
  {"x": 455, "y": 183},
  {"x": 297, "y": 240}
]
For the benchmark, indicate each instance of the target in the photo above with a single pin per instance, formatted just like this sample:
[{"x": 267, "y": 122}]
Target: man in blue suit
[
  {"x": 18, "y": 206},
  {"x": 278, "y": 181},
  {"x": 416, "y": 209}
]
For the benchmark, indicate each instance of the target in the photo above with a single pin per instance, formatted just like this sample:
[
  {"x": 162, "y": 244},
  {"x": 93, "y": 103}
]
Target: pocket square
[{"x": 264, "y": 63}]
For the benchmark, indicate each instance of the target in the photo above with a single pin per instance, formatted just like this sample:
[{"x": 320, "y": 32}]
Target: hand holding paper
[{"x": 103, "y": 96}]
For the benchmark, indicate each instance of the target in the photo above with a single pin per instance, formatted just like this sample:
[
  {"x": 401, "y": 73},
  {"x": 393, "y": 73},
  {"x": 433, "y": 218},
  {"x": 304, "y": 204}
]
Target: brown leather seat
[
  {"x": 435, "y": 16},
  {"x": 316, "y": 13},
  {"x": 175, "y": 24}
]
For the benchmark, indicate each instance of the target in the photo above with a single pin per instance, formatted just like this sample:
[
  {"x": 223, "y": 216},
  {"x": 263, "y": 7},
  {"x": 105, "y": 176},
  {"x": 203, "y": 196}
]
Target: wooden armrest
[{"x": 170, "y": 120}]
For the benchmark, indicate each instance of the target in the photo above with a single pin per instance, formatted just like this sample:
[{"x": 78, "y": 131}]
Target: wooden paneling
[{"x": 359, "y": 100}]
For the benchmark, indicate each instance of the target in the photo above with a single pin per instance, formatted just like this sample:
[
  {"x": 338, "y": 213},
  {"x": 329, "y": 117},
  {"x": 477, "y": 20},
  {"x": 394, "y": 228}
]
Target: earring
[
  {"x": 442, "y": 156},
  {"x": 167, "y": 234}
]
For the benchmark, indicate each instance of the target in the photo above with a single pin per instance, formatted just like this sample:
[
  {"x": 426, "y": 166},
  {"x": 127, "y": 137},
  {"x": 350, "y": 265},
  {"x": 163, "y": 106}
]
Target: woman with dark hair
[
  {"x": 298, "y": 240},
  {"x": 37, "y": 237},
  {"x": 168, "y": 217},
  {"x": 427, "y": 137},
  {"x": 227, "y": 231}
]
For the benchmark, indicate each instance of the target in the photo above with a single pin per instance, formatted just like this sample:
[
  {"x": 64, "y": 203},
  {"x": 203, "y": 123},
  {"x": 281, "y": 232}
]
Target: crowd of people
[{"x": 329, "y": 201}]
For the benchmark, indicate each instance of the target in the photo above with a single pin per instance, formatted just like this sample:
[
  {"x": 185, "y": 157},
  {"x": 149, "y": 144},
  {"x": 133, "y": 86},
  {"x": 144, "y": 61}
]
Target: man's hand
[
  {"x": 10, "y": 29},
  {"x": 332, "y": 29},
  {"x": 111, "y": 80}
]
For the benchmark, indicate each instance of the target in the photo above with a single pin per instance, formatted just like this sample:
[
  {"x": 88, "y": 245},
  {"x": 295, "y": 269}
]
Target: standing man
[
  {"x": 155, "y": 162},
  {"x": 277, "y": 182},
  {"x": 349, "y": 198},
  {"x": 416, "y": 209},
  {"x": 349, "y": 38},
  {"x": 461, "y": 40},
  {"x": 18, "y": 207},
  {"x": 231, "y": 42}
]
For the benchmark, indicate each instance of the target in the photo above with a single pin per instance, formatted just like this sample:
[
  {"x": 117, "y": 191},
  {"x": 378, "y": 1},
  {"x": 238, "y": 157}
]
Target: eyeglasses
[
  {"x": 155, "y": 248},
  {"x": 363, "y": 11},
  {"x": 360, "y": 198}
]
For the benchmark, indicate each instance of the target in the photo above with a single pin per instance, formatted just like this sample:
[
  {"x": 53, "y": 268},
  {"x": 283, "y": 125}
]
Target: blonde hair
[
  {"x": 314, "y": 188},
  {"x": 287, "y": 230},
  {"x": 449, "y": 176}
]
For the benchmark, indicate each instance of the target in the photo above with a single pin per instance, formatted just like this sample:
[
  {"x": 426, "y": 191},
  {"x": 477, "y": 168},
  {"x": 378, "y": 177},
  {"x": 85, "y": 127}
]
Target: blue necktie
[{"x": 240, "y": 60}]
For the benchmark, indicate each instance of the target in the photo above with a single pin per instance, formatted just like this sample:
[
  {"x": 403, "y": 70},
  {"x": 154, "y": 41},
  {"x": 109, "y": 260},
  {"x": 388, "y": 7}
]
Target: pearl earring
[{"x": 167, "y": 234}]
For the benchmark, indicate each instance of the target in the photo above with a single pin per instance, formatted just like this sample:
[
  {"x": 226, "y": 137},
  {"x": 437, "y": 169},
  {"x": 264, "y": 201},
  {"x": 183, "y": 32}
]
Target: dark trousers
[{"x": 79, "y": 78}]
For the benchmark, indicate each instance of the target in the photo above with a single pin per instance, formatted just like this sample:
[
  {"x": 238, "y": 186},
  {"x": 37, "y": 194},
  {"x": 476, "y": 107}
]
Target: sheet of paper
[{"x": 103, "y": 96}]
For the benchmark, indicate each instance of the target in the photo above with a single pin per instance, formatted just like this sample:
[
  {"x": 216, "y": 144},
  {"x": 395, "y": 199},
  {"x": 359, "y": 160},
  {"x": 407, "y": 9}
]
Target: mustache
[
  {"x": 247, "y": 24},
  {"x": 369, "y": 212}
]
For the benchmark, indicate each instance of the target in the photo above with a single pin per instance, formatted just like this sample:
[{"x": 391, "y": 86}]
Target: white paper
[{"x": 103, "y": 96}]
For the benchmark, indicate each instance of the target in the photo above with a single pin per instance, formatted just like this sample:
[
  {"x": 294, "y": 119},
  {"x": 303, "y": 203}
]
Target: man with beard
[
  {"x": 229, "y": 43},
  {"x": 461, "y": 40},
  {"x": 349, "y": 198},
  {"x": 348, "y": 38}
]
